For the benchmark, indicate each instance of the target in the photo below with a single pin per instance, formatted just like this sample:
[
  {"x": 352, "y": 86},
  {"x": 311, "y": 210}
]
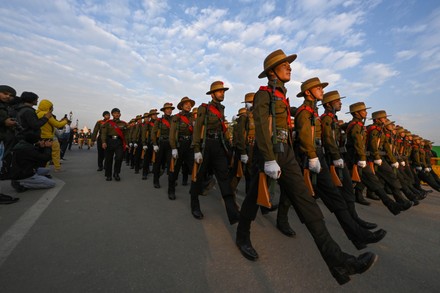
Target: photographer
[
  {"x": 7, "y": 93},
  {"x": 27, "y": 117},
  {"x": 27, "y": 158}
]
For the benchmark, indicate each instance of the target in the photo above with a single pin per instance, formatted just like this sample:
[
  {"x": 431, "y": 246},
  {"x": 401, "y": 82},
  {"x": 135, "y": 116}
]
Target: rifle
[
  {"x": 153, "y": 157},
  {"x": 239, "y": 169},
  {"x": 263, "y": 198},
  {"x": 355, "y": 174},
  {"x": 194, "y": 172},
  {"x": 309, "y": 178},
  {"x": 335, "y": 178},
  {"x": 172, "y": 163}
]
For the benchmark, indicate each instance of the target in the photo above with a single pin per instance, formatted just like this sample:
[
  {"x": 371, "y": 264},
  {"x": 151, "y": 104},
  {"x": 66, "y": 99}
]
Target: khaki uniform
[
  {"x": 115, "y": 145},
  {"x": 96, "y": 136},
  {"x": 160, "y": 136}
]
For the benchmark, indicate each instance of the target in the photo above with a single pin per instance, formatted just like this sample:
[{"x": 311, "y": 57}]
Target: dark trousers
[
  {"x": 185, "y": 157},
  {"x": 64, "y": 142},
  {"x": 292, "y": 184},
  {"x": 427, "y": 177},
  {"x": 389, "y": 175},
  {"x": 163, "y": 158},
  {"x": 116, "y": 150},
  {"x": 101, "y": 153},
  {"x": 137, "y": 153},
  {"x": 215, "y": 158},
  {"x": 148, "y": 154}
]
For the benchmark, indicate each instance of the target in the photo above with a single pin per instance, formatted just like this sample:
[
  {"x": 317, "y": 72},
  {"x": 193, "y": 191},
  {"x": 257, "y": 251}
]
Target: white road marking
[{"x": 10, "y": 239}]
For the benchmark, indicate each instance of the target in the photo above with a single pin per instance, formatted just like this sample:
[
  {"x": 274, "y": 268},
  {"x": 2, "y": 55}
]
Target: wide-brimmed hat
[
  {"x": 274, "y": 59},
  {"x": 331, "y": 96},
  {"x": 379, "y": 114},
  {"x": 216, "y": 86},
  {"x": 309, "y": 84},
  {"x": 249, "y": 98},
  {"x": 153, "y": 112},
  {"x": 183, "y": 101},
  {"x": 145, "y": 115},
  {"x": 138, "y": 117},
  {"x": 242, "y": 111},
  {"x": 388, "y": 122},
  {"x": 167, "y": 105},
  {"x": 356, "y": 107}
]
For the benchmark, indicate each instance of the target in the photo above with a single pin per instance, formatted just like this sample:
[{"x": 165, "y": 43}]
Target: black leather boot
[
  {"x": 360, "y": 198},
  {"x": 353, "y": 265},
  {"x": 243, "y": 240}
]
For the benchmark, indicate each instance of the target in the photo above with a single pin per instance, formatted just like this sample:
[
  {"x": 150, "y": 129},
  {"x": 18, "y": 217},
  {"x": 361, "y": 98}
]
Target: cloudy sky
[{"x": 88, "y": 56}]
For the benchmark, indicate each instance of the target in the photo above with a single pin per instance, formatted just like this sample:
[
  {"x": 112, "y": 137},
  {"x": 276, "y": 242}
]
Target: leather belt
[
  {"x": 185, "y": 137},
  {"x": 113, "y": 136}
]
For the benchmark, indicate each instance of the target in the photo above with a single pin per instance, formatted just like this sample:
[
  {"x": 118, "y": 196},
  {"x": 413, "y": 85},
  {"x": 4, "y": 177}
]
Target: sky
[{"x": 88, "y": 56}]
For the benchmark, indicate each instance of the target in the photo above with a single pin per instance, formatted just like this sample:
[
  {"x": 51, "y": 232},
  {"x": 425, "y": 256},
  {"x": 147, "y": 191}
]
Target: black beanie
[
  {"x": 116, "y": 110},
  {"x": 7, "y": 89},
  {"x": 28, "y": 97}
]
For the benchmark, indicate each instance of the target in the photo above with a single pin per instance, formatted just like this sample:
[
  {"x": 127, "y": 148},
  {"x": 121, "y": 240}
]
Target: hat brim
[
  {"x": 172, "y": 108},
  {"x": 179, "y": 106},
  {"x": 349, "y": 112},
  {"x": 331, "y": 101},
  {"x": 380, "y": 117},
  {"x": 322, "y": 84},
  {"x": 223, "y": 88},
  {"x": 289, "y": 59}
]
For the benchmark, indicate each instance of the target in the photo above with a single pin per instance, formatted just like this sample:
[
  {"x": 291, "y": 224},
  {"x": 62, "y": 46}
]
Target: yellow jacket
[{"x": 48, "y": 129}]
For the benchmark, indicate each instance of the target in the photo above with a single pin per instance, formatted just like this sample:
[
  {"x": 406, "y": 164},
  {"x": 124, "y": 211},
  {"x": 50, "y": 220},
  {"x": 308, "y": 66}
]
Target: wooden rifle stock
[
  {"x": 263, "y": 198},
  {"x": 194, "y": 172},
  {"x": 153, "y": 157},
  {"x": 355, "y": 174},
  {"x": 371, "y": 164},
  {"x": 239, "y": 169},
  {"x": 308, "y": 182},
  {"x": 143, "y": 154},
  {"x": 172, "y": 163},
  {"x": 335, "y": 177}
]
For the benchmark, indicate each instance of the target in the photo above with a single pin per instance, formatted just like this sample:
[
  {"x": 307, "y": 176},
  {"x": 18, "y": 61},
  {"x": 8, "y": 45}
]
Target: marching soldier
[
  {"x": 160, "y": 137},
  {"x": 273, "y": 155},
  {"x": 210, "y": 152},
  {"x": 97, "y": 137},
  {"x": 334, "y": 146},
  {"x": 357, "y": 157},
  {"x": 376, "y": 144},
  {"x": 239, "y": 154},
  {"x": 128, "y": 150},
  {"x": 147, "y": 145},
  {"x": 114, "y": 144},
  {"x": 136, "y": 139},
  {"x": 311, "y": 154},
  {"x": 180, "y": 141},
  {"x": 420, "y": 164},
  {"x": 81, "y": 137}
]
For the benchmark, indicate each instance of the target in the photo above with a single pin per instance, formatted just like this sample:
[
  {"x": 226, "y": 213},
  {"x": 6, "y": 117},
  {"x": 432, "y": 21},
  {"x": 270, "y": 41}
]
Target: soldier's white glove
[
  {"x": 419, "y": 168},
  {"x": 315, "y": 165},
  {"x": 155, "y": 148},
  {"x": 338, "y": 163},
  {"x": 244, "y": 159},
  {"x": 145, "y": 147},
  {"x": 130, "y": 144},
  {"x": 395, "y": 165},
  {"x": 378, "y": 162},
  {"x": 362, "y": 164},
  {"x": 198, "y": 157},
  {"x": 174, "y": 153},
  {"x": 272, "y": 169},
  {"x": 403, "y": 163},
  {"x": 135, "y": 145},
  {"x": 427, "y": 170}
]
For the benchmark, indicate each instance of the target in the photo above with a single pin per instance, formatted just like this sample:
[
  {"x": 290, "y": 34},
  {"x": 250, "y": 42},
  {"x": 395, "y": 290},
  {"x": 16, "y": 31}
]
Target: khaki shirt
[
  {"x": 375, "y": 140},
  {"x": 387, "y": 146},
  {"x": 261, "y": 113},
  {"x": 146, "y": 130},
  {"x": 179, "y": 128},
  {"x": 160, "y": 130},
  {"x": 213, "y": 124},
  {"x": 331, "y": 135},
  {"x": 356, "y": 139},
  {"x": 108, "y": 130},
  {"x": 305, "y": 134},
  {"x": 97, "y": 129}
]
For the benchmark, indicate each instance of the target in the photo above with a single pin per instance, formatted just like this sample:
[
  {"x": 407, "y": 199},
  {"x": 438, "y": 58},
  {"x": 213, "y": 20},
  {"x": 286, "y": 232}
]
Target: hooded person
[
  {"x": 48, "y": 131},
  {"x": 27, "y": 117}
]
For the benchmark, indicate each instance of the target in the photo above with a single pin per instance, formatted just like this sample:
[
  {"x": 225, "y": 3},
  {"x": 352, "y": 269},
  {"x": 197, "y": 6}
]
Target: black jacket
[
  {"x": 28, "y": 120},
  {"x": 26, "y": 158}
]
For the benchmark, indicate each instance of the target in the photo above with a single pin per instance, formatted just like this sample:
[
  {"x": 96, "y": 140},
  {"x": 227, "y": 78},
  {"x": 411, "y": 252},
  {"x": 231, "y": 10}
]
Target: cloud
[
  {"x": 378, "y": 73},
  {"x": 405, "y": 54}
]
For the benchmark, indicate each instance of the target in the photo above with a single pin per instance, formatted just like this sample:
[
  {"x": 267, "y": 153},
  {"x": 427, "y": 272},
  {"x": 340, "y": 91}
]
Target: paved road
[{"x": 89, "y": 235}]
